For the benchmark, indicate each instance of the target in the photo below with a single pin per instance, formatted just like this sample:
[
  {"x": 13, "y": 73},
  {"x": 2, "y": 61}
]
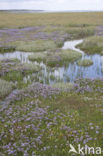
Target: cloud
[{"x": 52, "y": 4}]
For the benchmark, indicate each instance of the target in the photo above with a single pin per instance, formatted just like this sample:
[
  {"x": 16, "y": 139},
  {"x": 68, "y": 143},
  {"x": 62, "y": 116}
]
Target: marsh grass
[
  {"x": 0, "y": 67},
  {"x": 101, "y": 53},
  {"x": 7, "y": 65},
  {"x": 7, "y": 49},
  {"x": 63, "y": 86},
  {"x": 60, "y": 118},
  {"x": 70, "y": 55},
  {"x": 53, "y": 59},
  {"x": 92, "y": 45},
  {"x": 19, "y": 71},
  {"x": 13, "y": 76},
  {"x": 38, "y": 121},
  {"x": 58, "y": 19},
  {"x": 40, "y": 56},
  {"x": 80, "y": 32},
  {"x": 10, "y": 61},
  {"x": 51, "y": 29},
  {"x": 60, "y": 43},
  {"x": 52, "y": 77},
  {"x": 85, "y": 62},
  {"x": 34, "y": 46},
  {"x": 5, "y": 88},
  {"x": 63, "y": 58},
  {"x": 14, "y": 66},
  {"x": 29, "y": 68}
]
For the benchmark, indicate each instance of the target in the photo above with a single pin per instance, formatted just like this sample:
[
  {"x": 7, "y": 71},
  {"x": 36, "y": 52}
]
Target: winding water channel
[{"x": 65, "y": 74}]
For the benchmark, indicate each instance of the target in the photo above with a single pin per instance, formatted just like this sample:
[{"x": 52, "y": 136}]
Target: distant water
[
  {"x": 48, "y": 11},
  {"x": 22, "y": 11}
]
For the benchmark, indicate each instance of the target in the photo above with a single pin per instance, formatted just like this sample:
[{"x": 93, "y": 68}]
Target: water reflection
[
  {"x": 67, "y": 73},
  {"x": 22, "y": 56}
]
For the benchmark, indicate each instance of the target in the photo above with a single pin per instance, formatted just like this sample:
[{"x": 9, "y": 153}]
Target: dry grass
[
  {"x": 61, "y": 26},
  {"x": 67, "y": 19}
]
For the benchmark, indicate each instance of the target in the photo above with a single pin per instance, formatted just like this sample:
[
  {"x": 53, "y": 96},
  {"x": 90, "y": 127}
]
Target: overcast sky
[{"x": 52, "y": 4}]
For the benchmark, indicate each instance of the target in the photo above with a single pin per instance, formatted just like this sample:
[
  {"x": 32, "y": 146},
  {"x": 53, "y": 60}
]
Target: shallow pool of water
[
  {"x": 72, "y": 45},
  {"x": 22, "y": 56},
  {"x": 69, "y": 73}
]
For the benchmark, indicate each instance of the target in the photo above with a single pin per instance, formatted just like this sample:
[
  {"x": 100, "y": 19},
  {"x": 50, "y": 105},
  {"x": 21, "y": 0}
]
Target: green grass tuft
[
  {"x": 34, "y": 46},
  {"x": 63, "y": 85},
  {"x": 70, "y": 55},
  {"x": 85, "y": 62},
  {"x": 5, "y": 49},
  {"x": 29, "y": 68},
  {"x": 5, "y": 88},
  {"x": 40, "y": 56},
  {"x": 92, "y": 45},
  {"x": 53, "y": 59}
]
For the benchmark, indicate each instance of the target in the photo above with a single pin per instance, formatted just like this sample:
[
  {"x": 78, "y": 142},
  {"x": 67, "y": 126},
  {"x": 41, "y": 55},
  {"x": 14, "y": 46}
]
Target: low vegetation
[
  {"x": 34, "y": 35},
  {"x": 70, "y": 55},
  {"x": 78, "y": 32},
  {"x": 92, "y": 45},
  {"x": 85, "y": 19},
  {"x": 63, "y": 86},
  {"x": 17, "y": 71},
  {"x": 5, "y": 88},
  {"x": 34, "y": 46},
  {"x": 29, "y": 68},
  {"x": 40, "y": 56},
  {"x": 50, "y": 120},
  {"x": 85, "y": 62},
  {"x": 54, "y": 59},
  {"x": 7, "y": 49},
  {"x": 102, "y": 53},
  {"x": 63, "y": 58},
  {"x": 15, "y": 65},
  {"x": 40, "y": 119}
]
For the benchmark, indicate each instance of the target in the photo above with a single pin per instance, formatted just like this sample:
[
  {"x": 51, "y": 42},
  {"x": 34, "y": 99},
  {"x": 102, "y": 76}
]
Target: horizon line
[{"x": 50, "y": 10}]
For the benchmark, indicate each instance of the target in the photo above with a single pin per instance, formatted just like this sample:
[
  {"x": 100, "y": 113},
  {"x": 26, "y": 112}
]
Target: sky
[{"x": 52, "y": 5}]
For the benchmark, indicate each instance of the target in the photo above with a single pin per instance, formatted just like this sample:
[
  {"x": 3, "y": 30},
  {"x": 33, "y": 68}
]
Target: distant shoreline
[
  {"x": 46, "y": 11},
  {"x": 22, "y": 11}
]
